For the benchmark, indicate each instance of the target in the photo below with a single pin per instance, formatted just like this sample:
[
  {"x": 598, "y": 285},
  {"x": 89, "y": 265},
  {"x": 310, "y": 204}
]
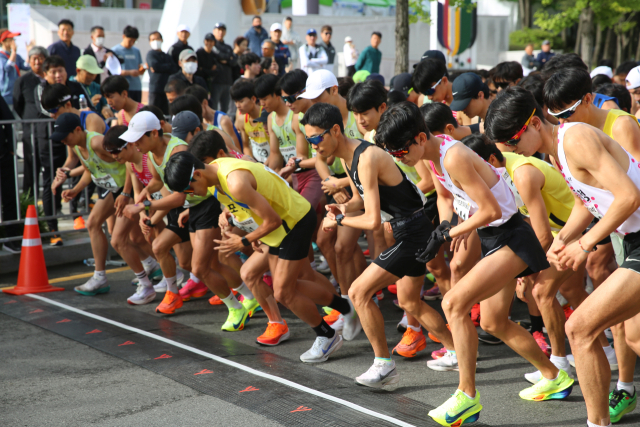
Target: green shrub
[{"x": 521, "y": 38}]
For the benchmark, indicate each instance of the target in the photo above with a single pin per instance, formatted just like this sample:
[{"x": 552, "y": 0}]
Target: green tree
[{"x": 67, "y": 4}]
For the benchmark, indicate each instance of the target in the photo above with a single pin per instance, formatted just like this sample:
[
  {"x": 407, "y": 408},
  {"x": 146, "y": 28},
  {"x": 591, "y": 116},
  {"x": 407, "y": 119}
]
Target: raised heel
[
  {"x": 472, "y": 419},
  {"x": 562, "y": 394}
]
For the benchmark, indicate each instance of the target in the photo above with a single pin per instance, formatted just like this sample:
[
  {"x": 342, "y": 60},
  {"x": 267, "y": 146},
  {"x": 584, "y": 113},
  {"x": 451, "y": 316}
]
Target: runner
[
  {"x": 509, "y": 247},
  {"x": 116, "y": 90},
  {"x": 472, "y": 97}
]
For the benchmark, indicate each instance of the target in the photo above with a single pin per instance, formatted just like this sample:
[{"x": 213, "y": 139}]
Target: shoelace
[
  {"x": 140, "y": 288},
  {"x": 616, "y": 397}
]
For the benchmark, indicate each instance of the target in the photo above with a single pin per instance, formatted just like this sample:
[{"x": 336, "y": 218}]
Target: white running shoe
[
  {"x": 352, "y": 326},
  {"x": 322, "y": 348},
  {"x": 448, "y": 362},
  {"x": 143, "y": 295},
  {"x": 323, "y": 267},
  {"x": 93, "y": 287},
  {"x": 613, "y": 361},
  {"x": 380, "y": 374},
  {"x": 402, "y": 324},
  {"x": 338, "y": 325},
  {"x": 161, "y": 286},
  {"x": 154, "y": 272},
  {"x": 536, "y": 376}
]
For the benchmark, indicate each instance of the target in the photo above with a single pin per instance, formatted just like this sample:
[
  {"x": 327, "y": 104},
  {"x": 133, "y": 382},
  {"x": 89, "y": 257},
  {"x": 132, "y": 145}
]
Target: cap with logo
[
  {"x": 435, "y": 54},
  {"x": 89, "y": 64},
  {"x": 141, "y": 123},
  {"x": 276, "y": 27},
  {"x": 465, "y": 88},
  {"x": 186, "y": 54},
  {"x": 183, "y": 123},
  {"x": 312, "y": 31},
  {"x": 633, "y": 78},
  {"x": 8, "y": 35},
  {"x": 401, "y": 83},
  {"x": 184, "y": 27},
  {"x": 220, "y": 25},
  {"x": 64, "y": 125},
  {"x": 317, "y": 82}
]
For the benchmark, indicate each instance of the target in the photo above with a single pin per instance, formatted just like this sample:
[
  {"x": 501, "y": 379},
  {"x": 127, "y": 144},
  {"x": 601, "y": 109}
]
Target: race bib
[
  {"x": 156, "y": 196},
  {"x": 288, "y": 152},
  {"x": 461, "y": 207},
  {"x": 106, "y": 182},
  {"x": 594, "y": 211},
  {"x": 260, "y": 150},
  {"x": 247, "y": 225},
  {"x": 507, "y": 178}
]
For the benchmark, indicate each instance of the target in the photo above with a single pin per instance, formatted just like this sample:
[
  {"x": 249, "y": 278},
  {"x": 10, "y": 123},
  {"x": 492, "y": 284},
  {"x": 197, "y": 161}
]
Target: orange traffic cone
[{"x": 32, "y": 276}]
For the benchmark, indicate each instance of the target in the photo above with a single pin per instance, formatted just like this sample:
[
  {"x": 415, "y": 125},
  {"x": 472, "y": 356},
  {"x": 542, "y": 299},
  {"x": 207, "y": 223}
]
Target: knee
[
  {"x": 185, "y": 264},
  {"x": 343, "y": 251},
  {"x": 92, "y": 224},
  {"x": 159, "y": 251},
  {"x": 541, "y": 295},
  {"x": 491, "y": 326},
  {"x": 453, "y": 307},
  {"x": 576, "y": 331},
  {"x": 282, "y": 296},
  {"x": 118, "y": 242},
  {"x": 358, "y": 295},
  {"x": 410, "y": 306},
  {"x": 248, "y": 275},
  {"x": 199, "y": 270},
  {"x": 137, "y": 239}
]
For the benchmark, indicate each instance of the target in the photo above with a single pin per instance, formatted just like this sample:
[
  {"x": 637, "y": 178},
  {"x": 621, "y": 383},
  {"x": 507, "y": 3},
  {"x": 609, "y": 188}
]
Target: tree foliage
[
  {"x": 67, "y": 4},
  {"x": 558, "y": 15}
]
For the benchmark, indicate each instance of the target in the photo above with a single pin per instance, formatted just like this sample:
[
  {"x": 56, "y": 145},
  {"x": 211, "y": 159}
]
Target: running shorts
[
  {"x": 519, "y": 236},
  {"x": 631, "y": 244},
  {"x": 103, "y": 193},
  {"x": 295, "y": 246},
  {"x": 309, "y": 184},
  {"x": 431, "y": 208},
  {"x": 172, "y": 219},
  {"x": 204, "y": 215}
]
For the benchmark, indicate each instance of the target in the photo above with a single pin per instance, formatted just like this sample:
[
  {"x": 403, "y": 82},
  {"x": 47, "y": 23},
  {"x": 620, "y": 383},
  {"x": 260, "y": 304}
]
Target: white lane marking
[{"x": 228, "y": 362}]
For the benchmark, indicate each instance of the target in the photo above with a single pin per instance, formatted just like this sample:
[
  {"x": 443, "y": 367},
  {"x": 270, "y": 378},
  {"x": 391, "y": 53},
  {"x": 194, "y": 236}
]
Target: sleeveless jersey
[
  {"x": 145, "y": 175},
  {"x": 108, "y": 175},
  {"x": 463, "y": 204},
  {"x": 285, "y": 135},
  {"x": 399, "y": 201},
  {"x": 83, "y": 121},
  {"x": 288, "y": 204},
  {"x": 124, "y": 119},
  {"x": 557, "y": 197},
  {"x": 212, "y": 127},
  {"x": 216, "y": 122},
  {"x": 258, "y": 138},
  {"x": 597, "y": 200},
  {"x": 612, "y": 116}
]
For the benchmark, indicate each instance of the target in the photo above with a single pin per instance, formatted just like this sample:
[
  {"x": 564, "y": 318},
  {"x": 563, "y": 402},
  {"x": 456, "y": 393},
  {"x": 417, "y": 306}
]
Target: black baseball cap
[
  {"x": 401, "y": 83},
  {"x": 183, "y": 123},
  {"x": 465, "y": 88},
  {"x": 65, "y": 124},
  {"x": 376, "y": 76},
  {"x": 220, "y": 25},
  {"x": 263, "y": 117},
  {"x": 209, "y": 37},
  {"x": 435, "y": 54}
]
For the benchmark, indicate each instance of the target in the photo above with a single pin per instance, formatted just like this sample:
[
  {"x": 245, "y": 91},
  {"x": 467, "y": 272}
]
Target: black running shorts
[
  {"x": 295, "y": 246},
  {"x": 631, "y": 245},
  {"x": 103, "y": 193},
  {"x": 204, "y": 215},
  {"x": 172, "y": 219}
]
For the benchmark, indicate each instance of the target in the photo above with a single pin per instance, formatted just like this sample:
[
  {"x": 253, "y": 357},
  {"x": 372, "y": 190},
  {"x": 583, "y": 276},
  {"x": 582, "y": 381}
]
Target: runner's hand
[
  {"x": 335, "y": 209},
  {"x": 68, "y": 195},
  {"x": 286, "y": 171},
  {"x": 524, "y": 288},
  {"x": 553, "y": 253},
  {"x": 329, "y": 224},
  {"x": 460, "y": 240},
  {"x": 330, "y": 185},
  {"x": 146, "y": 230},
  {"x": 143, "y": 195},
  {"x": 341, "y": 196},
  {"x": 130, "y": 211},
  {"x": 120, "y": 203},
  {"x": 183, "y": 218},
  {"x": 223, "y": 219},
  {"x": 230, "y": 245},
  {"x": 436, "y": 240},
  {"x": 59, "y": 180},
  {"x": 387, "y": 227},
  {"x": 257, "y": 246},
  {"x": 572, "y": 256}
]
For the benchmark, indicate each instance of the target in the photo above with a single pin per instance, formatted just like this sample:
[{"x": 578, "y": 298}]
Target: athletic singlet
[
  {"x": 83, "y": 121},
  {"x": 612, "y": 116},
  {"x": 108, "y": 175},
  {"x": 597, "y": 200},
  {"x": 557, "y": 197},
  {"x": 191, "y": 199},
  {"x": 288, "y": 204},
  {"x": 212, "y": 127},
  {"x": 258, "y": 138},
  {"x": 398, "y": 201},
  {"x": 124, "y": 119},
  {"x": 463, "y": 204},
  {"x": 217, "y": 116},
  {"x": 286, "y": 136},
  {"x": 145, "y": 176},
  {"x": 600, "y": 99}
]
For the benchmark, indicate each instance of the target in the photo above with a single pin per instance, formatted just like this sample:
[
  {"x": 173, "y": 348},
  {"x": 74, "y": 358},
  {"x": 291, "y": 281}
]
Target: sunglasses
[
  {"x": 189, "y": 190},
  {"x": 432, "y": 90},
  {"x": 316, "y": 140},
  {"x": 326, "y": 33},
  {"x": 502, "y": 85},
  {"x": 398, "y": 154},
  {"x": 516, "y": 138},
  {"x": 55, "y": 110},
  {"x": 565, "y": 114},
  {"x": 292, "y": 98},
  {"x": 117, "y": 150}
]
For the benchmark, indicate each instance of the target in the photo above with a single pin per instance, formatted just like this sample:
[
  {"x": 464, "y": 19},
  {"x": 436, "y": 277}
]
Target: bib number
[
  {"x": 106, "y": 182},
  {"x": 594, "y": 211},
  {"x": 260, "y": 150},
  {"x": 156, "y": 196},
  {"x": 461, "y": 207},
  {"x": 288, "y": 152},
  {"x": 247, "y": 225},
  {"x": 507, "y": 178}
]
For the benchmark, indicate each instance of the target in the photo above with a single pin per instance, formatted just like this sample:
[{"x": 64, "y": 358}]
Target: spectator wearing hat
[
  {"x": 161, "y": 66},
  {"x": 188, "y": 62},
  {"x": 87, "y": 70},
  {"x": 312, "y": 56},
  {"x": 402, "y": 83},
  {"x": 11, "y": 64},
  {"x": 371, "y": 56},
  {"x": 545, "y": 54},
  {"x": 97, "y": 50},
  {"x": 132, "y": 67},
  {"x": 292, "y": 39},
  {"x": 183, "y": 35},
  {"x": 529, "y": 62},
  {"x": 350, "y": 56},
  {"x": 64, "y": 48},
  {"x": 325, "y": 35},
  {"x": 256, "y": 35},
  {"x": 208, "y": 61},
  {"x": 220, "y": 96},
  {"x": 282, "y": 55}
]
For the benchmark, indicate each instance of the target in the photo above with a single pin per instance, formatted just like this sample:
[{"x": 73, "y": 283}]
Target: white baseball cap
[
  {"x": 317, "y": 82},
  {"x": 183, "y": 27},
  {"x": 633, "y": 78},
  {"x": 607, "y": 71},
  {"x": 276, "y": 27},
  {"x": 141, "y": 123},
  {"x": 348, "y": 39}
]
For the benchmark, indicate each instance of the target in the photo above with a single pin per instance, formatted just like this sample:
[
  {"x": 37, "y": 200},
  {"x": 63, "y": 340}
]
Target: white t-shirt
[
  {"x": 318, "y": 61},
  {"x": 350, "y": 54}
]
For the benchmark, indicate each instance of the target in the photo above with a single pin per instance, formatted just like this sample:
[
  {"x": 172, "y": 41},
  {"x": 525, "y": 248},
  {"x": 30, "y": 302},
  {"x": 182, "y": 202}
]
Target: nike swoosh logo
[
  {"x": 385, "y": 255},
  {"x": 493, "y": 250},
  {"x": 451, "y": 420},
  {"x": 237, "y": 325},
  {"x": 330, "y": 345},
  {"x": 631, "y": 259},
  {"x": 454, "y": 93}
]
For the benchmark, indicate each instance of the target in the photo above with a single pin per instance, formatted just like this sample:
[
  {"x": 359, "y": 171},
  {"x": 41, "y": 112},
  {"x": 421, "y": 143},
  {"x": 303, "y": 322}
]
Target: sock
[
  {"x": 101, "y": 276},
  {"x": 172, "y": 285},
  {"x": 231, "y": 301},
  {"x": 149, "y": 261},
  {"x": 590, "y": 424},
  {"x": 452, "y": 352},
  {"x": 275, "y": 321},
  {"x": 345, "y": 297},
  {"x": 467, "y": 395},
  {"x": 536, "y": 323},
  {"x": 340, "y": 304},
  {"x": 559, "y": 361},
  {"x": 609, "y": 351},
  {"x": 384, "y": 359},
  {"x": 244, "y": 291},
  {"x": 313, "y": 265},
  {"x": 143, "y": 279},
  {"x": 324, "y": 330},
  {"x": 628, "y": 387},
  {"x": 415, "y": 328},
  {"x": 194, "y": 278}
]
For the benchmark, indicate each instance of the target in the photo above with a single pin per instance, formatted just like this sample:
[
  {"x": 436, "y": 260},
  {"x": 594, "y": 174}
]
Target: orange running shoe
[
  {"x": 332, "y": 317},
  {"x": 393, "y": 289},
  {"x": 275, "y": 334},
  {"x": 78, "y": 223},
  {"x": 568, "y": 311},
  {"x": 215, "y": 300},
  {"x": 170, "y": 303},
  {"x": 411, "y": 343},
  {"x": 366, "y": 253},
  {"x": 542, "y": 343},
  {"x": 433, "y": 337},
  {"x": 475, "y": 315}
]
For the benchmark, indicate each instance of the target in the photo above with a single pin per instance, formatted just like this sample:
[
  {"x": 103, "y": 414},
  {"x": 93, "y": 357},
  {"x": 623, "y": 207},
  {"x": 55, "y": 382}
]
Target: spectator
[
  {"x": 546, "y": 53},
  {"x": 133, "y": 66},
  {"x": 26, "y": 107},
  {"x": 619, "y": 93},
  {"x": 96, "y": 49},
  {"x": 506, "y": 74},
  {"x": 371, "y": 56},
  {"x": 325, "y": 34},
  {"x": 632, "y": 83},
  {"x": 622, "y": 71},
  {"x": 220, "y": 96},
  {"x": 188, "y": 62},
  {"x": 312, "y": 57},
  {"x": 8, "y": 206},
  {"x": 291, "y": 39},
  {"x": 64, "y": 48},
  {"x": 183, "y": 35},
  {"x": 250, "y": 62},
  {"x": 269, "y": 66},
  {"x": 282, "y": 53},
  {"x": 174, "y": 89},
  {"x": 529, "y": 62},
  {"x": 11, "y": 64},
  {"x": 256, "y": 35},
  {"x": 350, "y": 56},
  {"x": 87, "y": 71},
  {"x": 240, "y": 47},
  {"x": 207, "y": 61},
  {"x": 161, "y": 66}
]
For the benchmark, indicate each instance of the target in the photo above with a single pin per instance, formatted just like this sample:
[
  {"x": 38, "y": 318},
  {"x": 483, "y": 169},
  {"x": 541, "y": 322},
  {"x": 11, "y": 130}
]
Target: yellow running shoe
[
  {"x": 549, "y": 389},
  {"x": 457, "y": 410},
  {"x": 236, "y": 320},
  {"x": 251, "y": 305}
]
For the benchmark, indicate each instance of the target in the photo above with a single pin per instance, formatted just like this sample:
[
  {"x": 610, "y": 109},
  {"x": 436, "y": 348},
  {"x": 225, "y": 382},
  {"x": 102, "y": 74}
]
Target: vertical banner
[
  {"x": 19, "y": 16},
  {"x": 456, "y": 27}
]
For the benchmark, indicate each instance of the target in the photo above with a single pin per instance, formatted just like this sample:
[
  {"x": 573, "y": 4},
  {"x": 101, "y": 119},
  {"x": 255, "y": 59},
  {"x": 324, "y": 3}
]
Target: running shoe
[
  {"x": 323, "y": 267},
  {"x": 191, "y": 289},
  {"x": 430, "y": 277},
  {"x": 432, "y": 294},
  {"x": 402, "y": 324},
  {"x": 78, "y": 224},
  {"x": 393, "y": 289},
  {"x": 143, "y": 295},
  {"x": 56, "y": 241},
  {"x": 379, "y": 295},
  {"x": 322, "y": 348},
  {"x": 621, "y": 403},
  {"x": 13, "y": 247},
  {"x": 542, "y": 343},
  {"x": 411, "y": 343},
  {"x": 380, "y": 374},
  {"x": 252, "y": 305},
  {"x": 170, "y": 303},
  {"x": 366, "y": 253},
  {"x": 609, "y": 335},
  {"x": 457, "y": 410},
  {"x": 437, "y": 354},
  {"x": 613, "y": 360},
  {"x": 536, "y": 376},
  {"x": 236, "y": 319},
  {"x": 338, "y": 325},
  {"x": 275, "y": 334},
  {"x": 332, "y": 316},
  {"x": 568, "y": 311},
  {"x": 215, "y": 300},
  {"x": 475, "y": 315},
  {"x": 315, "y": 247},
  {"x": 448, "y": 362},
  {"x": 93, "y": 287},
  {"x": 161, "y": 286},
  {"x": 266, "y": 278},
  {"x": 546, "y": 389},
  {"x": 352, "y": 325},
  {"x": 433, "y": 337},
  {"x": 487, "y": 338},
  {"x": 397, "y": 303}
]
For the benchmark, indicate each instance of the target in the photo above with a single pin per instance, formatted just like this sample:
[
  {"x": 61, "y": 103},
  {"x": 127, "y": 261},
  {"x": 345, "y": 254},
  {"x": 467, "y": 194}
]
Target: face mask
[
  {"x": 190, "y": 67},
  {"x": 99, "y": 41},
  {"x": 155, "y": 44}
]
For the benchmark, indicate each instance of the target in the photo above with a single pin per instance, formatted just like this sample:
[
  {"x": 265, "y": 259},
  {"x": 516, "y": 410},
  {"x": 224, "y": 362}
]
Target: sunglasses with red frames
[
  {"x": 398, "y": 154},
  {"x": 516, "y": 138}
]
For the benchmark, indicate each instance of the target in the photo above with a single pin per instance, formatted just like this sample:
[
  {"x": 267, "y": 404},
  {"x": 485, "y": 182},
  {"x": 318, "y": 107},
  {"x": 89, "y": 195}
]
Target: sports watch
[
  {"x": 147, "y": 205},
  {"x": 339, "y": 219}
]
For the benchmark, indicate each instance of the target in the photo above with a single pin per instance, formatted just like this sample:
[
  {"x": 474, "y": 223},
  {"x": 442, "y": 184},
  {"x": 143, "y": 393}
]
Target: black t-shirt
[
  {"x": 197, "y": 80},
  {"x": 206, "y": 61}
]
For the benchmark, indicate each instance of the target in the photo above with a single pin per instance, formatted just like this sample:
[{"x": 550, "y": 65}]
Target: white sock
[
  {"x": 467, "y": 395},
  {"x": 313, "y": 264},
  {"x": 345, "y": 297},
  {"x": 194, "y": 278},
  {"x": 100, "y": 276},
  {"x": 415, "y": 328},
  {"x": 231, "y": 301},
  {"x": 559, "y": 362},
  {"x": 143, "y": 279},
  {"x": 172, "y": 285},
  {"x": 280, "y": 322},
  {"x": 244, "y": 291},
  {"x": 590, "y": 424},
  {"x": 609, "y": 351},
  {"x": 628, "y": 387},
  {"x": 149, "y": 261}
]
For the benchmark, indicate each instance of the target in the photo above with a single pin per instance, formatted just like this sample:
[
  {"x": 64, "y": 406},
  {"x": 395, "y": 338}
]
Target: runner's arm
[
  {"x": 227, "y": 125},
  {"x": 529, "y": 182},
  {"x": 274, "y": 160},
  {"x": 246, "y": 146},
  {"x": 302, "y": 146},
  {"x": 445, "y": 198},
  {"x": 626, "y": 132},
  {"x": 95, "y": 124},
  {"x": 368, "y": 174},
  {"x": 426, "y": 182}
]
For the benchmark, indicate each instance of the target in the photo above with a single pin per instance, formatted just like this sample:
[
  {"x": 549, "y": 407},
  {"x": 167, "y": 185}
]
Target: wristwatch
[
  {"x": 147, "y": 205},
  {"x": 339, "y": 219},
  {"x": 297, "y": 162},
  {"x": 245, "y": 241},
  {"x": 148, "y": 222},
  {"x": 68, "y": 173}
]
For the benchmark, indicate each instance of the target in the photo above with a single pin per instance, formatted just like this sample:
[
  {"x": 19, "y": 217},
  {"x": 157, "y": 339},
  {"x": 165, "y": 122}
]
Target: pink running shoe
[
  {"x": 268, "y": 279},
  {"x": 437, "y": 354},
  {"x": 432, "y": 294},
  {"x": 542, "y": 343},
  {"x": 193, "y": 290}
]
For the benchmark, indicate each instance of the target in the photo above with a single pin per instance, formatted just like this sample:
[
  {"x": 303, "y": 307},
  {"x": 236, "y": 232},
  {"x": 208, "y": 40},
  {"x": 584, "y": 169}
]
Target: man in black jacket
[
  {"x": 183, "y": 36},
  {"x": 8, "y": 206},
  {"x": 220, "y": 96},
  {"x": 97, "y": 50},
  {"x": 208, "y": 61},
  {"x": 161, "y": 66}
]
